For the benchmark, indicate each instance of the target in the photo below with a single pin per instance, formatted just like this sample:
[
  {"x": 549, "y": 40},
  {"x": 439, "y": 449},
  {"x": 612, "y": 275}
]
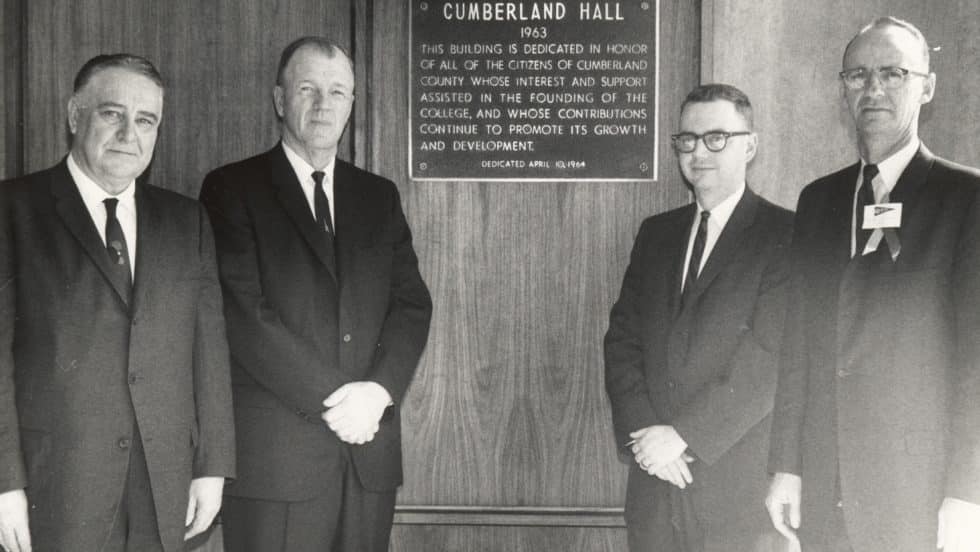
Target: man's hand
[
  {"x": 354, "y": 411},
  {"x": 782, "y": 502},
  {"x": 654, "y": 447},
  {"x": 959, "y": 526},
  {"x": 15, "y": 535},
  {"x": 677, "y": 473},
  {"x": 203, "y": 503}
]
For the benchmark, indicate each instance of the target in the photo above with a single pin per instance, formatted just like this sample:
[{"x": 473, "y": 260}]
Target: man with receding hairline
[
  {"x": 115, "y": 400},
  {"x": 876, "y": 427},
  {"x": 327, "y": 318}
]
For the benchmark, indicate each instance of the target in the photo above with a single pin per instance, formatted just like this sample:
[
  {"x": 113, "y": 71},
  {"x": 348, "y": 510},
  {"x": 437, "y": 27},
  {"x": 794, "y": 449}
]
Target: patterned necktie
[
  {"x": 321, "y": 205},
  {"x": 697, "y": 252},
  {"x": 115, "y": 240},
  {"x": 866, "y": 196}
]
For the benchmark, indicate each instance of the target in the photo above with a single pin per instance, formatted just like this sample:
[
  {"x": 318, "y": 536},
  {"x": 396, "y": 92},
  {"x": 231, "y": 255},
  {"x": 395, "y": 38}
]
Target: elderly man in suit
[
  {"x": 876, "y": 427},
  {"x": 327, "y": 319},
  {"x": 692, "y": 344},
  {"x": 115, "y": 399}
]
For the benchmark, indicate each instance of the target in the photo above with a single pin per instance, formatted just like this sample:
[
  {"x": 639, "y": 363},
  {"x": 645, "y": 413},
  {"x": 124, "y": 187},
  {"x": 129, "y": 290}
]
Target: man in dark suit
[
  {"x": 691, "y": 348},
  {"x": 327, "y": 319},
  {"x": 115, "y": 398},
  {"x": 876, "y": 426}
]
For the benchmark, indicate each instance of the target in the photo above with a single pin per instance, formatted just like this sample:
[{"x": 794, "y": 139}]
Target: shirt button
[
  {"x": 346, "y": 338},
  {"x": 123, "y": 443}
]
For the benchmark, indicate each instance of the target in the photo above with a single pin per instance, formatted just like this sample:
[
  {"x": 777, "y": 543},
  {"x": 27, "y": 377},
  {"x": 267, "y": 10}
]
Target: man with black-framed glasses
[
  {"x": 876, "y": 426},
  {"x": 691, "y": 351}
]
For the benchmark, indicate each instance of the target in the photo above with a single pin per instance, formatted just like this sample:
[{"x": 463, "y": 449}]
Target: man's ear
[
  {"x": 751, "y": 147},
  {"x": 277, "y": 99},
  {"x": 73, "y": 109}
]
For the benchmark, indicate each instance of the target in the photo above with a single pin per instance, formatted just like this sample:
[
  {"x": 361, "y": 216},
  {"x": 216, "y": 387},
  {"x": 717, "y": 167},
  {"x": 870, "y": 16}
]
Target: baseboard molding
[{"x": 514, "y": 516}]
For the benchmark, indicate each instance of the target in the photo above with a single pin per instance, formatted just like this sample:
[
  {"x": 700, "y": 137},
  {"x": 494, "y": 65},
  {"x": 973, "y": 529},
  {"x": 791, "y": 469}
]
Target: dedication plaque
[{"x": 528, "y": 90}]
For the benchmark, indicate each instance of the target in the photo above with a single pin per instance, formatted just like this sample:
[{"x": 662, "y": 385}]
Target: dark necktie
[
  {"x": 866, "y": 196},
  {"x": 321, "y": 205},
  {"x": 115, "y": 240},
  {"x": 697, "y": 252}
]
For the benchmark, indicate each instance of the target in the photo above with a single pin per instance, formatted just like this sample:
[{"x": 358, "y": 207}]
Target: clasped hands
[
  {"x": 354, "y": 411},
  {"x": 659, "y": 450}
]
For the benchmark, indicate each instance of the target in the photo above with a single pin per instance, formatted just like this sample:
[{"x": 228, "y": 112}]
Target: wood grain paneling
[
  {"x": 508, "y": 407},
  {"x": 218, "y": 59},
  {"x": 786, "y": 56},
  {"x": 11, "y": 48},
  {"x": 499, "y": 539}
]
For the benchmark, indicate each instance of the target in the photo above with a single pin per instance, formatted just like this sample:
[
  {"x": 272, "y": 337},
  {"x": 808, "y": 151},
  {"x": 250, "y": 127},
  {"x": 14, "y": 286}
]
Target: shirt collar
[
  {"x": 93, "y": 194},
  {"x": 723, "y": 211},
  {"x": 891, "y": 168},
  {"x": 304, "y": 170}
]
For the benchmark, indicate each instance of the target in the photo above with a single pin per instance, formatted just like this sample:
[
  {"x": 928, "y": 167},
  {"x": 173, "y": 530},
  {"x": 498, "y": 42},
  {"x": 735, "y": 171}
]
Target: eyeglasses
[
  {"x": 889, "y": 77},
  {"x": 716, "y": 140}
]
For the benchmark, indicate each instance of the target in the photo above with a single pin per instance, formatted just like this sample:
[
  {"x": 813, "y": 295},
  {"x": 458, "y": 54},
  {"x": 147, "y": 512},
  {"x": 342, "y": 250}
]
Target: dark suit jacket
[
  {"x": 78, "y": 364},
  {"x": 881, "y": 362},
  {"x": 300, "y": 328},
  {"x": 708, "y": 369}
]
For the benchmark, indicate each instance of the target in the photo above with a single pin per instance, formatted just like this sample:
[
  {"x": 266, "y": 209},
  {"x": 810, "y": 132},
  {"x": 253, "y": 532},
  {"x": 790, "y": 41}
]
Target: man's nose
[{"x": 127, "y": 131}]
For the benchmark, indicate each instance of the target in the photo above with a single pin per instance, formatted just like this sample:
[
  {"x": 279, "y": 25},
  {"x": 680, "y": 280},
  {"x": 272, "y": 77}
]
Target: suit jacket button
[
  {"x": 132, "y": 379},
  {"x": 346, "y": 338},
  {"x": 123, "y": 443}
]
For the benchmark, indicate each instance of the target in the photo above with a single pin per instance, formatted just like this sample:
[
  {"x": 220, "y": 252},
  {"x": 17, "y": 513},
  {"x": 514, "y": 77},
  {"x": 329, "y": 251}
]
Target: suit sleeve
[
  {"x": 623, "y": 351},
  {"x": 285, "y": 363},
  {"x": 963, "y": 472},
  {"x": 789, "y": 403},
  {"x": 13, "y": 474},
  {"x": 406, "y": 328},
  {"x": 215, "y": 452},
  {"x": 721, "y": 413}
]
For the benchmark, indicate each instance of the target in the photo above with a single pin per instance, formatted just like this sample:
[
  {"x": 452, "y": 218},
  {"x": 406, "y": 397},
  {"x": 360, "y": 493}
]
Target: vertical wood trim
[
  {"x": 11, "y": 91},
  {"x": 361, "y": 125},
  {"x": 707, "y": 41}
]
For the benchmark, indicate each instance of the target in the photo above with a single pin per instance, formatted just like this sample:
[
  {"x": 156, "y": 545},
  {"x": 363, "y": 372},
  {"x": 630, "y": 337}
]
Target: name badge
[{"x": 882, "y": 215}]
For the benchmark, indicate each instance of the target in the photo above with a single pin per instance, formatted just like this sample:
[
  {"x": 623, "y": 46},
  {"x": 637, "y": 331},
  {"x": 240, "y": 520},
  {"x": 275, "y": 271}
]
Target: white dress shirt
[
  {"x": 93, "y": 196},
  {"x": 889, "y": 172},
  {"x": 304, "y": 173},
  {"x": 716, "y": 223}
]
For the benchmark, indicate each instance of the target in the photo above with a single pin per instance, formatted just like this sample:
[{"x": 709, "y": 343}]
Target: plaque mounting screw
[
  {"x": 643, "y": 5},
  {"x": 424, "y": 6},
  {"x": 423, "y": 166},
  {"x": 643, "y": 167}
]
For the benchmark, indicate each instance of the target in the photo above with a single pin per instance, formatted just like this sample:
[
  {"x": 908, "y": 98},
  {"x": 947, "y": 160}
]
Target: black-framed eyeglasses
[
  {"x": 889, "y": 77},
  {"x": 716, "y": 140}
]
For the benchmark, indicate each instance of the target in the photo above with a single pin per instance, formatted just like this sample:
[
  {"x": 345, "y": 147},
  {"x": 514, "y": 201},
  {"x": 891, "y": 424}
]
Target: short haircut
[
  {"x": 323, "y": 44},
  {"x": 130, "y": 62},
  {"x": 714, "y": 92},
  {"x": 889, "y": 21}
]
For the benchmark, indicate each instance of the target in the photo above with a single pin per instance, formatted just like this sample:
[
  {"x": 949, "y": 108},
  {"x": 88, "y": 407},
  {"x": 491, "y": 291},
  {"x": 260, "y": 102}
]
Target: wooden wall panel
[
  {"x": 499, "y": 539},
  {"x": 786, "y": 56},
  {"x": 11, "y": 151},
  {"x": 218, "y": 59},
  {"x": 508, "y": 407}
]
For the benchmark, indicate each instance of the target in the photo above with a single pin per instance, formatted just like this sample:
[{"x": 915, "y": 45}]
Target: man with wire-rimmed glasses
[
  {"x": 876, "y": 425},
  {"x": 692, "y": 347}
]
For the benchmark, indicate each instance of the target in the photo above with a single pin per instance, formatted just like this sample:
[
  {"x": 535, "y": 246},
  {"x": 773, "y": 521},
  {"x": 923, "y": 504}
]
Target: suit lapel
[
  {"x": 150, "y": 240},
  {"x": 727, "y": 244},
  {"x": 678, "y": 252},
  {"x": 290, "y": 195},
  {"x": 72, "y": 210}
]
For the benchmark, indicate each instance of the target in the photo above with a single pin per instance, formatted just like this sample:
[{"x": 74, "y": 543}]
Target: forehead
[
  {"x": 125, "y": 87},
  {"x": 311, "y": 63},
  {"x": 699, "y": 117},
  {"x": 886, "y": 45}
]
